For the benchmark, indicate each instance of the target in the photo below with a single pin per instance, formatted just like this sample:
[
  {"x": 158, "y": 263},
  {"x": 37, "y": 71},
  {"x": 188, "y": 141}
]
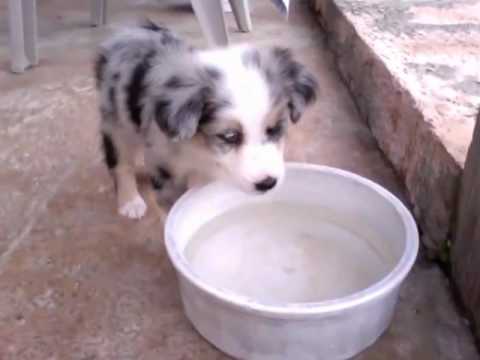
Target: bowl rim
[{"x": 295, "y": 310}]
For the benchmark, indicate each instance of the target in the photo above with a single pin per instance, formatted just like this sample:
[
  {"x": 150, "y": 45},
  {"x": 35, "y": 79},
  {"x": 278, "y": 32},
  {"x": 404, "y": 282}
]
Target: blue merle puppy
[{"x": 195, "y": 115}]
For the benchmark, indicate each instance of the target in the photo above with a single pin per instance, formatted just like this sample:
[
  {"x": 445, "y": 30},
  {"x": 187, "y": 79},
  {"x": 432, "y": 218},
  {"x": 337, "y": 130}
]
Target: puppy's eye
[
  {"x": 231, "y": 137},
  {"x": 274, "y": 132}
]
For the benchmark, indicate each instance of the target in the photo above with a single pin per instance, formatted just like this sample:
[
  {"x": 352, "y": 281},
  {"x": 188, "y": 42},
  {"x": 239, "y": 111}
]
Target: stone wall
[
  {"x": 413, "y": 69},
  {"x": 466, "y": 249}
]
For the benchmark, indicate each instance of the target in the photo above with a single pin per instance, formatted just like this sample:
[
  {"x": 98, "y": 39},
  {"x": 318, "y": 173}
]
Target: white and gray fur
[{"x": 195, "y": 115}]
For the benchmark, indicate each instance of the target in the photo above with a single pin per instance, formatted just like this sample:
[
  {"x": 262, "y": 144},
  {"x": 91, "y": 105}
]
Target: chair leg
[
  {"x": 241, "y": 12},
  {"x": 226, "y": 6},
  {"x": 98, "y": 12},
  {"x": 30, "y": 30},
  {"x": 210, "y": 16},
  {"x": 18, "y": 57}
]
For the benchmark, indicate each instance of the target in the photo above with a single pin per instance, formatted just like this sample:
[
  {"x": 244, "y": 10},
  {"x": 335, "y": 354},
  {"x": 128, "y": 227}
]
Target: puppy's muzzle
[{"x": 266, "y": 184}]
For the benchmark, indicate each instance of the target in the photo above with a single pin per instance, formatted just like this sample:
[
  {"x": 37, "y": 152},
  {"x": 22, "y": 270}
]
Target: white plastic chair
[
  {"x": 22, "y": 18},
  {"x": 22, "y": 21},
  {"x": 210, "y": 16}
]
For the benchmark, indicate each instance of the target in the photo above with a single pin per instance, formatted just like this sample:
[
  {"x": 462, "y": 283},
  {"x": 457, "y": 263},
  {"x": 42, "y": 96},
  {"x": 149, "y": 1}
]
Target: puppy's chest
[{"x": 174, "y": 168}]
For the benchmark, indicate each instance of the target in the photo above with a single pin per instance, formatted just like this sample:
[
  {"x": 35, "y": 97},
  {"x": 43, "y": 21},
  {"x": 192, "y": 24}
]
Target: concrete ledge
[{"x": 413, "y": 69}]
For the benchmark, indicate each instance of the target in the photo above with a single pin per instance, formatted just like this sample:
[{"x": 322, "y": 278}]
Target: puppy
[{"x": 195, "y": 116}]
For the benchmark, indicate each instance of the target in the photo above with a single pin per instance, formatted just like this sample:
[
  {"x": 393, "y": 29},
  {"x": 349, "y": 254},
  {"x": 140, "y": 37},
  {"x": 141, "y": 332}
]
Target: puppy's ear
[
  {"x": 185, "y": 100},
  {"x": 179, "y": 114},
  {"x": 300, "y": 86}
]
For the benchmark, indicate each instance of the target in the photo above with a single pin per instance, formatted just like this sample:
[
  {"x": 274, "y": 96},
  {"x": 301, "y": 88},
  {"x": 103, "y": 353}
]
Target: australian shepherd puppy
[{"x": 195, "y": 115}]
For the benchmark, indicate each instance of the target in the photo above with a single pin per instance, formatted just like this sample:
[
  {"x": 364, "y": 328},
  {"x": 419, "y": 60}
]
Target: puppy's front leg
[
  {"x": 130, "y": 203},
  {"x": 120, "y": 160}
]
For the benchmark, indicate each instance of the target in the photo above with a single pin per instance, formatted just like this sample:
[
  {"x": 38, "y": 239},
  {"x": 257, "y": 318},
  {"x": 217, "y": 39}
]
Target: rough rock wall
[{"x": 413, "y": 69}]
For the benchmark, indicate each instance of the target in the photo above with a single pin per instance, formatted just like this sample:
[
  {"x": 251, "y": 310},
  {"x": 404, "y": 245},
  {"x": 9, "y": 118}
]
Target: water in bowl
[{"x": 281, "y": 253}]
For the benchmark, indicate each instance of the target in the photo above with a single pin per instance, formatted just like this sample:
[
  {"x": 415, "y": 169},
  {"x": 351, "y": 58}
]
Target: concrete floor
[{"x": 79, "y": 282}]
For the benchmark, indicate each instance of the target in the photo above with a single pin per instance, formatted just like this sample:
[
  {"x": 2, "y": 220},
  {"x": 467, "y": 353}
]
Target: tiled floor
[{"x": 79, "y": 282}]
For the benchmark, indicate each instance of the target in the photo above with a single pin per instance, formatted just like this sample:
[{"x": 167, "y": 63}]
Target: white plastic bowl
[{"x": 339, "y": 328}]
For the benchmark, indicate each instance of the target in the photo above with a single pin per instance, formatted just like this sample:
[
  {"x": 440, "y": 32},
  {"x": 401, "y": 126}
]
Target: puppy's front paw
[{"x": 133, "y": 209}]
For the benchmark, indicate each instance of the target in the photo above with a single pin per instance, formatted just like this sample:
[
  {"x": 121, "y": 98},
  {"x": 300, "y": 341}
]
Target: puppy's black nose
[{"x": 266, "y": 184}]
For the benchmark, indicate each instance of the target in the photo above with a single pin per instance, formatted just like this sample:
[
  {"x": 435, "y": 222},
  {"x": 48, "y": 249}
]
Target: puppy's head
[{"x": 238, "y": 106}]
